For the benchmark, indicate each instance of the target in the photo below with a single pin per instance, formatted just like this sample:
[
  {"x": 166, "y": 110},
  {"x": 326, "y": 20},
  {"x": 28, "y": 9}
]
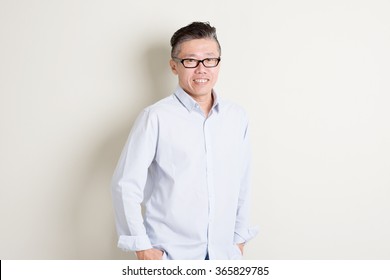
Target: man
[{"x": 187, "y": 162}]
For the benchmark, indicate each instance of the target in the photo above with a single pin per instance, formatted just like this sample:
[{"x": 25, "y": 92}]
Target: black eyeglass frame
[{"x": 198, "y": 61}]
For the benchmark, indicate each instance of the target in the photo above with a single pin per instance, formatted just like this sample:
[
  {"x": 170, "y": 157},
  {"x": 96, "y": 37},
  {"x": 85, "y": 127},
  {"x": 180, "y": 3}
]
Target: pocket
[
  {"x": 164, "y": 256},
  {"x": 235, "y": 253}
]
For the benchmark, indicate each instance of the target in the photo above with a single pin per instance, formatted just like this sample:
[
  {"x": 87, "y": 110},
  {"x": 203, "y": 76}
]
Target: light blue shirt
[{"x": 191, "y": 174}]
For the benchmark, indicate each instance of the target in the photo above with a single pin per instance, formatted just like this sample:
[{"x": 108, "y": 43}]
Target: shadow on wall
[{"x": 93, "y": 216}]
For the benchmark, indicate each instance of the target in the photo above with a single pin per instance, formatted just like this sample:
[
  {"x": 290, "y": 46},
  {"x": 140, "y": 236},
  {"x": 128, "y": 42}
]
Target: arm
[
  {"x": 243, "y": 233},
  {"x": 129, "y": 181}
]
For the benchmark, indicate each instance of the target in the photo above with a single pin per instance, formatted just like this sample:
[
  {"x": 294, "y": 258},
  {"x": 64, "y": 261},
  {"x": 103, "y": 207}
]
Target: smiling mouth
[{"x": 201, "y": 81}]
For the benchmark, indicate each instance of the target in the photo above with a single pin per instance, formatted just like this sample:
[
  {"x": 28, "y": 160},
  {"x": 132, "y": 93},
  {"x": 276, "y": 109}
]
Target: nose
[{"x": 200, "y": 68}]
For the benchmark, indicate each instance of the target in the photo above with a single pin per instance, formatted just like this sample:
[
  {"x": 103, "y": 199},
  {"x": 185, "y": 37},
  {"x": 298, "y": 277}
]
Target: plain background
[{"x": 312, "y": 75}]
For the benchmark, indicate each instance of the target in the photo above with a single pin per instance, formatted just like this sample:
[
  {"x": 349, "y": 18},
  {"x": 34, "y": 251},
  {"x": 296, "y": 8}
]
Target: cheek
[
  {"x": 188, "y": 78},
  {"x": 215, "y": 76},
  {"x": 185, "y": 80}
]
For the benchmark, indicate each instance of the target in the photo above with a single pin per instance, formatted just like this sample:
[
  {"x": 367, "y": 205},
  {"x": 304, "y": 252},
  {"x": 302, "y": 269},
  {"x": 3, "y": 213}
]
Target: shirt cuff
[
  {"x": 134, "y": 243},
  {"x": 243, "y": 235}
]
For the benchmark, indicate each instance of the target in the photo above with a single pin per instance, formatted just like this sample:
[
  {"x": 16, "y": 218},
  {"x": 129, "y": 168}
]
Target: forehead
[{"x": 199, "y": 47}]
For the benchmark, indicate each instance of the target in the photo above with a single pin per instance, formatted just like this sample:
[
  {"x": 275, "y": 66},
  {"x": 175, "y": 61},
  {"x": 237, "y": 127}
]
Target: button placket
[{"x": 209, "y": 172}]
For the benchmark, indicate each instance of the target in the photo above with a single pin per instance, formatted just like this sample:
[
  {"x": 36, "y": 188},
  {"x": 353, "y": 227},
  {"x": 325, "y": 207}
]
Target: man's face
[{"x": 197, "y": 82}]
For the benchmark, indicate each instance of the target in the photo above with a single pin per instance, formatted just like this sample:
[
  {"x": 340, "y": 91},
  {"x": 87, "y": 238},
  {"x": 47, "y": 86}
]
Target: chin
[
  {"x": 202, "y": 93},
  {"x": 202, "y": 90},
  {"x": 198, "y": 91}
]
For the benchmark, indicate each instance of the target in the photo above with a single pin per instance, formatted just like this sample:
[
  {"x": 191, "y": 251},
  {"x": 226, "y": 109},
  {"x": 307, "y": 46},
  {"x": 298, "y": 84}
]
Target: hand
[
  {"x": 241, "y": 247},
  {"x": 150, "y": 254}
]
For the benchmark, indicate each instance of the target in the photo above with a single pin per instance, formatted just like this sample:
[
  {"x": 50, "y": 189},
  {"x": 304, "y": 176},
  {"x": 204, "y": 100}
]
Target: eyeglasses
[{"x": 193, "y": 63}]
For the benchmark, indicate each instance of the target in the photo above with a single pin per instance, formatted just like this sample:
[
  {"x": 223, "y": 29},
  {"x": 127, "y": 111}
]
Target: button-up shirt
[{"x": 190, "y": 172}]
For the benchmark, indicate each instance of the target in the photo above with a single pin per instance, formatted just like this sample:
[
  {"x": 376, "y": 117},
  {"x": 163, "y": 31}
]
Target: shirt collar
[{"x": 190, "y": 103}]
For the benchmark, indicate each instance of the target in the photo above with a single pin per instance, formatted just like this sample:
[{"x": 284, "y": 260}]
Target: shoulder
[
  {"x": 161, "y": 106},
  {"x": 154, "y": 111},
  {"x": 151, "y": 112},
  {"x": 232, "y": 108}
]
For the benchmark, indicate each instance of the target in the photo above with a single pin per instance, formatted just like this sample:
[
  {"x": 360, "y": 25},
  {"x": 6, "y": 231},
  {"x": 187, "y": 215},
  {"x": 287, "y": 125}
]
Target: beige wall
[{"x": 313, "y": 76}]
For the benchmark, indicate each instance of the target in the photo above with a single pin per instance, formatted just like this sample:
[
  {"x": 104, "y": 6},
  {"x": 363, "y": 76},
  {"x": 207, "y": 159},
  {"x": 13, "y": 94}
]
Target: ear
[{"x": 173, "y": 65}]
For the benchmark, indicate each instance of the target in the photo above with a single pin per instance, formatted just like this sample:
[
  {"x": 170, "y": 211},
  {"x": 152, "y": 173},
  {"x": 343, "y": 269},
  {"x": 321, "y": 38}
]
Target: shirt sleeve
[
  {"x": 129, "y": 181},
  {"x": 243, "y": 232}
]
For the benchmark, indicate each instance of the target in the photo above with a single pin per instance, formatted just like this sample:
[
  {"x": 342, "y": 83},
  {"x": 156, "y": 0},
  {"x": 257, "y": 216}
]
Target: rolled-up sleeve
[{"x": 129, "y": 181}]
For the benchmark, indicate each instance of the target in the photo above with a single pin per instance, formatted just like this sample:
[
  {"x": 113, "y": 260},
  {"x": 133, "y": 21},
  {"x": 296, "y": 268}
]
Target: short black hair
[{"x": 195, "y": 30}]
